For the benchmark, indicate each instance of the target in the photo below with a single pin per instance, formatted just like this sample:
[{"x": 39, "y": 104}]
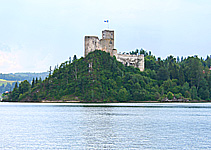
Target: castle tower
[
  {"x": 92, "y": 43},
  {"x": 107, "y": 41},
  {"x": 108, "y": 34}
]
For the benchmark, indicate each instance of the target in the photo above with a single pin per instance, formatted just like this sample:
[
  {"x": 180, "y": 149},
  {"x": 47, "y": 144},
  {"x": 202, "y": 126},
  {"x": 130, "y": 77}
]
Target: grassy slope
[{"x": 5, "y": 82}]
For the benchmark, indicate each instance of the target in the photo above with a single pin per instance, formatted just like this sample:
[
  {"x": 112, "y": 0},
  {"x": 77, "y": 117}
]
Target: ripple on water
[{"x": 105, "y": 126}]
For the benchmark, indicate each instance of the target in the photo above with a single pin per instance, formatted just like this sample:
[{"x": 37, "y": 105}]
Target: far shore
[{"x": 75, "y": 101}]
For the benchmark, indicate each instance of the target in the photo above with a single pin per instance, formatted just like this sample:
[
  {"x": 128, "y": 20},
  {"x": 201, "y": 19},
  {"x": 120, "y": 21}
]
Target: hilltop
[{"x": 101, "y": 78}]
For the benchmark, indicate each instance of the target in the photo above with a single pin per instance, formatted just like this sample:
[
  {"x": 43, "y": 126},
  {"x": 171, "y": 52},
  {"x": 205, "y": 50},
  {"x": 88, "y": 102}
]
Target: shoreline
[{"x": 61, "y": 101}]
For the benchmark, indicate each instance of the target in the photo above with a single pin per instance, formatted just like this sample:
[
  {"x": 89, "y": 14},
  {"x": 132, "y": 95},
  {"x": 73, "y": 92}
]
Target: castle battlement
[
  {"x": 130, "y": 55},
  {"x": 92, "y": 43}
]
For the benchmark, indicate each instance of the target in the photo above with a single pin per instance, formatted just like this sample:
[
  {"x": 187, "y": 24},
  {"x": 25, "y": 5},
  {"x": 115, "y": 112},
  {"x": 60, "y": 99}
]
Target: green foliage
[
  {"x": 123, "y": 95},
  {"x": 170, "y": 95},
  {"x": 24, "y": 87},
  {"x": 178, "y": 96},
  {"x": 193, "y": 92},
  {"x": 162, "y": 74},
  {"x": 101, "y": 78},
  {"x": 187, "y": 94}
]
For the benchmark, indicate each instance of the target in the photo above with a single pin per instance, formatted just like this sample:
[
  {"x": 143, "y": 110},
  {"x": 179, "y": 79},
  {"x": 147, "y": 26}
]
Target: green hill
[
  {"x": 96, "y": 78},
  {"x": 101, "y": 78}
]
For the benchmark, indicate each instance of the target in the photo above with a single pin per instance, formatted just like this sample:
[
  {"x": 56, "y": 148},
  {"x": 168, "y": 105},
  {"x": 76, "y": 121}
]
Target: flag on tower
[{"x": 106, "y": 21}]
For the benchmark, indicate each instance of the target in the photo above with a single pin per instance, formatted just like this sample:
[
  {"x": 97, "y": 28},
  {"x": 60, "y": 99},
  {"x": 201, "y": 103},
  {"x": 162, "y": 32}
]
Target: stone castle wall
[
  {"x": 131, "y": 60},
  {"x": 91, "y": 43},
  {"x": 106, "y": 44}
]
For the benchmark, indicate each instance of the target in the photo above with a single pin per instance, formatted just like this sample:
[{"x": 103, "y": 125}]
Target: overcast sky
[{"x": 37, "y": 34}]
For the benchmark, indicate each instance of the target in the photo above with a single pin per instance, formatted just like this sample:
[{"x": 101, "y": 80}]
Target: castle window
[{"x": 110, "y": 42}]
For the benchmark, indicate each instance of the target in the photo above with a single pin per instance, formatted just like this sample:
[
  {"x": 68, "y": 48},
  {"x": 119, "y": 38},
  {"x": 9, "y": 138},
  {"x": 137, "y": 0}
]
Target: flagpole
[{"x": 107, "y": 21}]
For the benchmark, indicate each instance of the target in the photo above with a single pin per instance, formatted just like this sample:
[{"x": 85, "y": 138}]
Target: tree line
[{"x": 101, "y": 78}]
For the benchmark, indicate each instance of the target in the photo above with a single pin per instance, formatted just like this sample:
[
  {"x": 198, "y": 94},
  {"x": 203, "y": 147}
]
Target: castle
[{"x": 106, "y": 44}]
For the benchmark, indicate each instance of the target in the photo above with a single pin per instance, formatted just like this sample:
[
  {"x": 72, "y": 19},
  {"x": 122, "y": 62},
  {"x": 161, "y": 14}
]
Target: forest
[{"x": 101, "y": 78}]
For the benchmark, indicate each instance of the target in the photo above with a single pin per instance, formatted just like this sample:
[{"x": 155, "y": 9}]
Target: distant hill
[
  {"x": 7, "y": 81},
  {"x": 23, "y": 76}
]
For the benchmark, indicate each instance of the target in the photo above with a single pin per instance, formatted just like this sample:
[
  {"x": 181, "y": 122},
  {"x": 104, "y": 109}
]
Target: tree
[
  {"x": 178, "y": 96},
  {"x": 182, "y": 58},
  {"x": 150, "y": 62},
  {"x": 69, "y": 60},
  {"x": 36, "y": 80},
  {"x": 142, "y": 51},
  {"x": 16, "y": 85},
  {"x": 150, "y": 53},
  {"x": 156, "y": 95},
  {"x": 50, "y": 70},
  {"x": 74, "y": 58},
  {"x": 204, "y": 93},
  {"x": 181, "y": 76},
  {"x": 167, "y": 85},
  {"x": 178, "y": 60},
  {"x": 35, "y": 96},
  {"x": 187, "y": 94},
  {"x": 185, "y": 87},
  {"x": 193, "y": 92},
  {"x": 170, "y": 95},
  {"x": 15, "y": 93},
  {"x": 33, "y": 83},
  {"x": 123, "y": 95},
  {"x": 174, "y": 71},
  {"x": 193, "y": 71},
  {"x": 24, "y": 86},
  {"x": 162, "y": 74}
]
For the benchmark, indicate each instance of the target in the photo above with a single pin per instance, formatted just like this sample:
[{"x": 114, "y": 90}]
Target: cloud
[
  {"x": 52, "y": 30},
  {"x": 19, "y": 58},
  {"x": 43, "y": 63},
  {"x": 4, "y": 47},
  {"x": 10, "y": 61}
]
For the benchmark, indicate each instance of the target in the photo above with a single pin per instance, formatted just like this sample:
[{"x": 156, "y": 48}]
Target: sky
[{"x": 37, "y": 34}]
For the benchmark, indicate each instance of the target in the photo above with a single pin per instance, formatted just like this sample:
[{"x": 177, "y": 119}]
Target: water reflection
[
  {"x": 98, "y": 128},
  {"x": 147, "y": 105},
  {"x": 105, "y": 126},
  {"x": 113, "y": 128}
]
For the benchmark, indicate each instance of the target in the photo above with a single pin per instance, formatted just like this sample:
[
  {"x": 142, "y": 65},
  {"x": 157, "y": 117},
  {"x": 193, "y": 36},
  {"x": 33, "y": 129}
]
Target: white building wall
[{"x": 131, "y": 60}]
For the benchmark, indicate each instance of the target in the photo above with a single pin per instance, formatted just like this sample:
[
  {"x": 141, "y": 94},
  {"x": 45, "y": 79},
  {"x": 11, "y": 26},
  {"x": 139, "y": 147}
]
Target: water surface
[{"x": 105, "y": 126}]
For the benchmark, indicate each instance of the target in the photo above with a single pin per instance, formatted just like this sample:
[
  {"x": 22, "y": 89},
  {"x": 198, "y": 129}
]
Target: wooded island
[{"x": 101, "y": 78}]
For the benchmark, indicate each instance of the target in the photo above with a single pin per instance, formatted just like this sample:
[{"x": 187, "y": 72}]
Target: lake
[{"x": 105, "y": 126}]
